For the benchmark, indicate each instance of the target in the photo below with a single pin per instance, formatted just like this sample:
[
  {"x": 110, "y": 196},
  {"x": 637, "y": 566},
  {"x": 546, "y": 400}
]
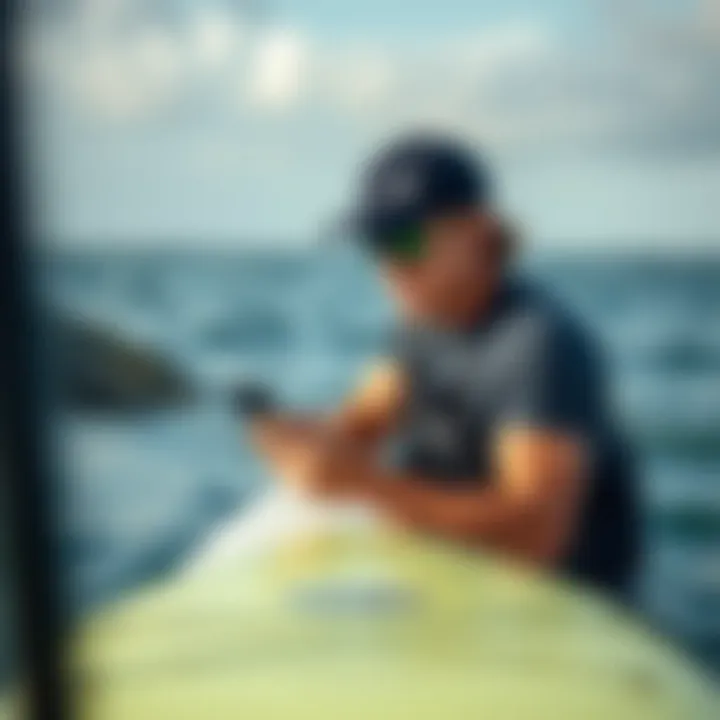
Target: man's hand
[
  {"x": 330, "y": 456},
  {"x": 312, "y": 455}
]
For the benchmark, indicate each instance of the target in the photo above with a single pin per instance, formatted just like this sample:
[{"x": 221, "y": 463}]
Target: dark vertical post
[{"x": 32, "y": 501}]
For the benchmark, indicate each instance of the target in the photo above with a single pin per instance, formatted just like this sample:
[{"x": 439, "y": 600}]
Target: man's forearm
[
  {"x": 532, "y": 525},
  {"x": 488, "y": 517}
]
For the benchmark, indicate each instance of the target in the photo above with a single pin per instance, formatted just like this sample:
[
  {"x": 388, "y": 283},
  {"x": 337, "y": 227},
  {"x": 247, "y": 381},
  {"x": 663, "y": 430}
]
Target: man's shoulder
[{"x": 538, "y": 321}]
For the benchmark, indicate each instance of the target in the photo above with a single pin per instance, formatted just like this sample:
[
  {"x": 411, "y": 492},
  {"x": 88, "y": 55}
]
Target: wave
[
  {"x": 685, "y": 356},
  {"x": 262, "y": 330}
]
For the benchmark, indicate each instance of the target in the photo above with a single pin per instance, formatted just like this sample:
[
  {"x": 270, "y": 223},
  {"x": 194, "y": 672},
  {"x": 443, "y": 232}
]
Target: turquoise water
[{"x": 143, "y": 491}]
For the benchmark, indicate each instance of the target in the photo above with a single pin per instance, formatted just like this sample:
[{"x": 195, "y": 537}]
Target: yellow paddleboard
[{"x": 349, "y": 620}]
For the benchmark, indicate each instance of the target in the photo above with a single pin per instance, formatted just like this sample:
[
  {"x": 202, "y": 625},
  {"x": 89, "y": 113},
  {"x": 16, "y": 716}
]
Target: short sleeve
[{"x": 551, "y": 380}]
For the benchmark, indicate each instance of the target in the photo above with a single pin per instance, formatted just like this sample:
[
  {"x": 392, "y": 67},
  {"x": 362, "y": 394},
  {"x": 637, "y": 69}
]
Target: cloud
[
  {"x": 215, "y": 38},
  {"x": 144, "y": 77},
  {"x": 665, "y": 78},
  {"x": 651, "y": 88},
  {"x": 127, "y": 61},
  {"x": 278, "y": 70},
  {"x": 204, "y": 100}
]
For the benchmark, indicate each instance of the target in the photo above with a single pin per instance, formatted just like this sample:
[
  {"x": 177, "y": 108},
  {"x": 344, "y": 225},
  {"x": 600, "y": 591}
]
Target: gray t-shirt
[{"x": 528, "y": 362}]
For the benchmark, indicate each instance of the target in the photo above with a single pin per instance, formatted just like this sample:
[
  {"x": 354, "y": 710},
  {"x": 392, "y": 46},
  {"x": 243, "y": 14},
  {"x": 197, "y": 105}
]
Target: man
[{"x": 494, "y": 398}]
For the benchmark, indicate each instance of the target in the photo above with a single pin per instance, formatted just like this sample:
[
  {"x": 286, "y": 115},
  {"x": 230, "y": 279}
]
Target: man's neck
[{"x": 479, "y": 309}]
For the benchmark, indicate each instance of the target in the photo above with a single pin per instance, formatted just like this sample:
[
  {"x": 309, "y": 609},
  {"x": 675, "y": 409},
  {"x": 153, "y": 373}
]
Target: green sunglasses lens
[{"x": 406, "y": 245}]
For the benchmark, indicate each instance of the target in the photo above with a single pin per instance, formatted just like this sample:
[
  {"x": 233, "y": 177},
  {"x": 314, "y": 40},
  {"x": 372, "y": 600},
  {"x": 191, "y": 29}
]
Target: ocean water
[{"x": 141, "y": 492}]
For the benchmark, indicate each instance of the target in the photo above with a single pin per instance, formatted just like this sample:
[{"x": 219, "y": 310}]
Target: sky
[{"x": 238, "y": 122}]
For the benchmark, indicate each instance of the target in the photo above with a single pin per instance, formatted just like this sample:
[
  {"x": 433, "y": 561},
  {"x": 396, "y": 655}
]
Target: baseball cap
[{"x": 409, "y": 181}]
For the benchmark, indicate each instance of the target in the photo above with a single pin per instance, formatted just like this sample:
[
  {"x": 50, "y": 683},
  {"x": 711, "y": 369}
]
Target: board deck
[{"x": 342, "y": 618}]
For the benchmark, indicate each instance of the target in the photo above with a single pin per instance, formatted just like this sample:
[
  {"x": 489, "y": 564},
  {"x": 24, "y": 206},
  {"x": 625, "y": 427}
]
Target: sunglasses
[{"x": 405, "y": 246}]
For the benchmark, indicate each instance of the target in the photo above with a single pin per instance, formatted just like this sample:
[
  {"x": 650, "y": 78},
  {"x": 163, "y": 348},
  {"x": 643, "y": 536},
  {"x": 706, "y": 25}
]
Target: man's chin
[
  {"x": 426, "y": 313},
  {"x": 436, "y": 315}
]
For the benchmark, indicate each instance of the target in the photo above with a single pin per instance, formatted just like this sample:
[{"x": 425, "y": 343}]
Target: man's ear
[
  {"x": 507, "y": 240},
  {"x": 502, "y": 236}
]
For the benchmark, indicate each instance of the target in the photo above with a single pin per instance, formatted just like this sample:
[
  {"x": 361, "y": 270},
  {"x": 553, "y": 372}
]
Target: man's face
[{"x": 444, "y": 268}]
